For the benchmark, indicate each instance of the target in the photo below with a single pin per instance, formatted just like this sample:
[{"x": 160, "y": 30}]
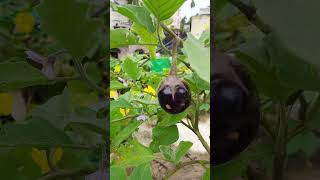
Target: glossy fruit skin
[
  {"x": 235, "y": 115},
  {"x": 178, "y": 102}
]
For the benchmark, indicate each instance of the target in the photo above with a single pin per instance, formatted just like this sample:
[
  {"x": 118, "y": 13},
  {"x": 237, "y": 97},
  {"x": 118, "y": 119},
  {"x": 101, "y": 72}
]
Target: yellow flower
[
  {"x": 150, "y": 90},
  {"x": 40, "y": 158},
  {"x": 24, "y": 22},
  {"x": 117, "y": 68},
  {"x": 124, "y": 112},
  {"x": 6, "y": 100},
  {"x": 114, "y": 95}
]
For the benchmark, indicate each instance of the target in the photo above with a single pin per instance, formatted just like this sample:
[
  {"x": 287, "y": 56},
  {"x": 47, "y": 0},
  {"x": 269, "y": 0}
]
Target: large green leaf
[
  {"x": 306, "y": 142},
  {"x": 163, "y": 9},
  {"x": 17, "y": 164},
  {"x": 56, "y": 110},
  {"x": 118, "y": 173},
  {"x": 35, "y": 132},
  {"x": 254, "y": 56},
  {"x": 163, "y": 136},
  {"x": 134, "y": 154},
  {"x": 167, "y": 119},
  {"x": 198, "y": 56},
  {"x": 182, "y": 150},
  {"x": 301, "y": 38},
  {"x": 122, "y": 37},
  {"x": 67, "y": 22},
  {"x": 63, "y": 114},
  {"x": 131, "y": 68},
  {"x": 126, "y": 132},
  {"x": 137, "y": 14},
  {"x": 16, "y": 75},
  {"x": 167, "y": 152},
  {"x": 146, "y": 38},
  {"x": 291, "y": 69},
  {"x": 141, "y": 172},
  {"x": 116, "y": 85}
]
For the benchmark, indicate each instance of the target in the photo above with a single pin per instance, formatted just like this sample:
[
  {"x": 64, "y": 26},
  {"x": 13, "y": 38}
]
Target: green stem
[
  {"x": 67, "y": 146},
  {"x": 124, "y": 118},
  {"x": 61, "y": 174},
  {"x": 181, "y": 165},
  {"x": 173, "y": 70},
  {"x": 280, "y": 145},
  {"x": 160, "y": 40},
  {"x": 251, "y": 14},
  {"x": 85, "y": 77}
]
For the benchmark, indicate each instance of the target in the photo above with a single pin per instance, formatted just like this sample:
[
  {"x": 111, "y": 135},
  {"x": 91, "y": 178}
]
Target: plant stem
[
  {"x": 85, "y": 77},
  {"x": 251, "y": 13},
  {"x": 181, "y": 165},
  {"x": 160, "y": 40},
  {"x": 67, "y": 146},
  {"x": 170, "y": 32},
  {"x": 61, "y": 174},
  {"x": 124, "y": 118},
  {"x": 186, "y": 64},
  {"x": 64, "y": 79},
  {"x": 173, "y": 70},
  {"x": 280, "y": 145}
]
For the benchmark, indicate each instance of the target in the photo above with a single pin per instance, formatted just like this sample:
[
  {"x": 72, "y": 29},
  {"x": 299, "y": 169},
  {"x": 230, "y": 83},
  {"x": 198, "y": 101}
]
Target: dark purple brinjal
[
  {"x": 235, "y": 109},
  {"x": 174, "y": 94}
]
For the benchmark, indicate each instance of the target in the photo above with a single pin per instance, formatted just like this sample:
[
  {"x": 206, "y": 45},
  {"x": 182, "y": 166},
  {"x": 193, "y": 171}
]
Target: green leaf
[
  {"x": 198, "y": 56},
  {"x": 134, "y": 154},
  {"x": 163, "y": 9},
  {"x": 306, "y": 142},
  {"x": 131, "y": 68},
  {"x": 253, "y": 55},
  {"x": 17, "y": 75},
  {"x": 126, "y": 132},
  {"x": 93, "y": 72},
  {"x": 182, "y": 149},
  {"x": 17, "y": 164},
  {"x": 196, "y": 84},
  {"x": 167, "y": 152},
  {"x": 122, "y": 37},
  {"x": 146, "y": 38},
  {"x": 299, "y": 39},
  {"x": 33, "y": 132},
  {"x": 206, "y": 175},
  {"x": 163, "y": 136},
  {"x": 167, "y": 119},
  {"x": 292, "y": 70},
  {"x": 67, "y": 22},
  {"x": 116, "y": 85},
  {"x": 56, "y": 110},
  {"x": 137, "y": 14},
  {"x": 118, "y": 173},
  {"x": 218, "y": 5},
  {"x": 230, "y": 170},
  {"x": 141, "y": 172},
  {"x": 204, "y": 107}
]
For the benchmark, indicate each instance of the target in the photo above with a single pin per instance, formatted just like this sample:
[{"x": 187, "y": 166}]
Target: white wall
[{"x": 199, "y": 23}]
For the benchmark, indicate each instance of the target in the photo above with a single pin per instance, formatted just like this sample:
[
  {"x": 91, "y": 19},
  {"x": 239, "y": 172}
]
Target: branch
[
  {"x": 160, "y": 41},
  {"x": 170, "y": 32},
  {"x": 64, "y": 79},
  {"x": 251, "y": 13},
  {"x": 66, "y": 146},
  {"x": 181, "y": 165},
  {"x": 71, "y": 172},
  {"x": 124, "y": 118},
  {"x": 84, "y": 76}
]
